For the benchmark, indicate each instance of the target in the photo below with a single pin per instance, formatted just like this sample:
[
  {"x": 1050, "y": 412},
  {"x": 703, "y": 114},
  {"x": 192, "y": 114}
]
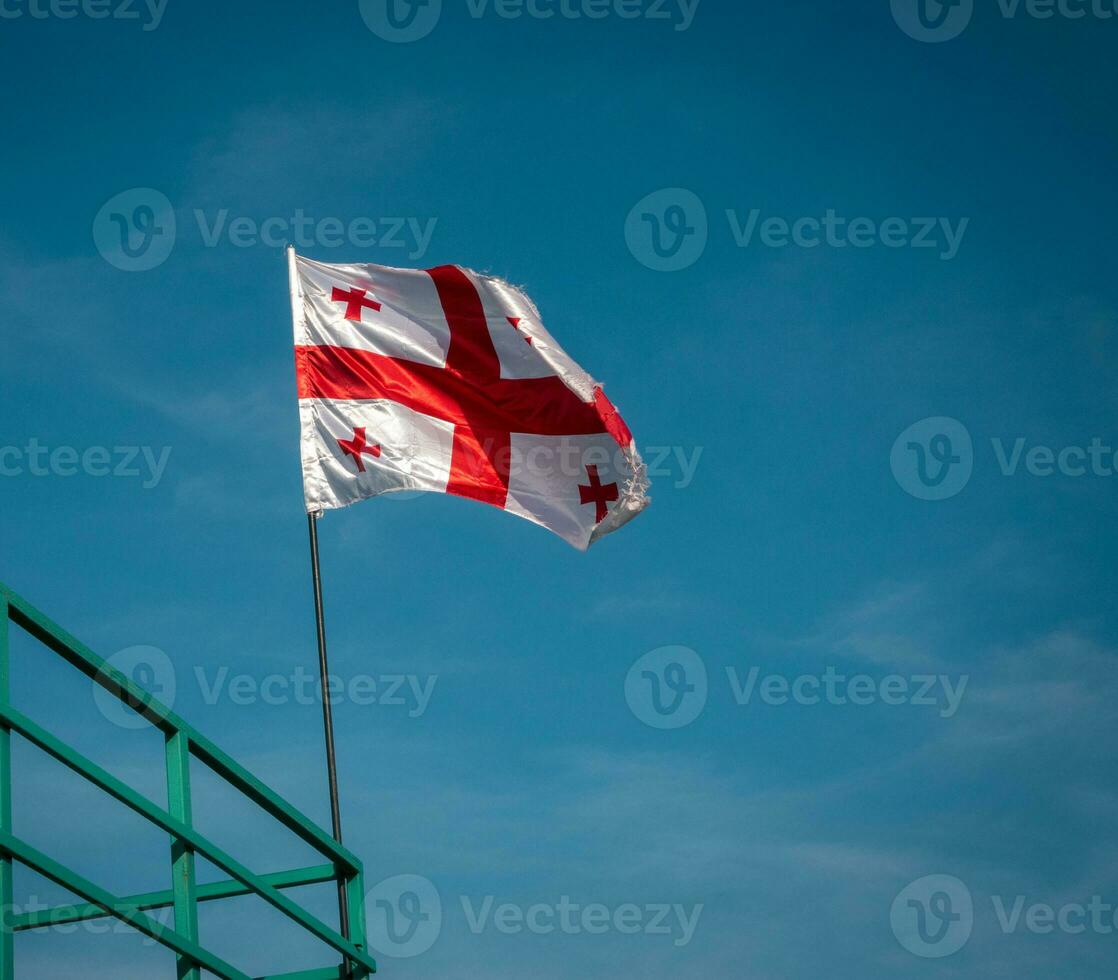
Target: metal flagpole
[
  {"x": 327, "y": 714},
  {"x": 320, "y": 624}
]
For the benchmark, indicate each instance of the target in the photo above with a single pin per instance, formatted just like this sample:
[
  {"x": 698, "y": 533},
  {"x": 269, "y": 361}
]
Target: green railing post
[
  {"x": 355, "y": 887},
  {"x": 183, "y": 889},
  {"x": 7, "y": 911},
  {"x": 182, "y": 743}
]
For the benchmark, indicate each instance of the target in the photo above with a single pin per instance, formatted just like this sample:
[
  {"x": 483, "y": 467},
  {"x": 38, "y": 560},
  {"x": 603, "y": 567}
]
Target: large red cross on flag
[{"x": 422, "y": 380}]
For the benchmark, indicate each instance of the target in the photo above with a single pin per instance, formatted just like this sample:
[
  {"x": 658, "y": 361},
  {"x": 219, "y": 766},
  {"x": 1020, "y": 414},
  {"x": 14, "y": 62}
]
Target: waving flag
[{"x": 445, "y": 380}]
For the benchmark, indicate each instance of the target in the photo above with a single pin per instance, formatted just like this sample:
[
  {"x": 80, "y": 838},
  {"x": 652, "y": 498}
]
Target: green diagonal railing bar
[
  {"x": 182, "y": 743},
  {"x": 65, "y": 914},
  {"x": 17, "y": 722},
  {"x": 74, "y": 882},
  {"x": 146, "y": 704}
]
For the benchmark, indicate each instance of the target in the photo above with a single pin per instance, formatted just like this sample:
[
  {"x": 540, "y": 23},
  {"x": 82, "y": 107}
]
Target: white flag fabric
[{"x": 445, "y": 380}]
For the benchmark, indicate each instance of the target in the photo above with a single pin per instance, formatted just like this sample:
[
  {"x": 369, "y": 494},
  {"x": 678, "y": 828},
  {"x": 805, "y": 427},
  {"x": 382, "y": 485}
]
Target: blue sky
[{"x": 791, "y": 541}]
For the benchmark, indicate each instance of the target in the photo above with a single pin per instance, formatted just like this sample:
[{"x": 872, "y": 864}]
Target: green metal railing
[{"x": 182, "y": 743}]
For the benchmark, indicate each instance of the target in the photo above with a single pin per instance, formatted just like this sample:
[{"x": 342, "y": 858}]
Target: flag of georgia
[{"x": 445, "y": 380}]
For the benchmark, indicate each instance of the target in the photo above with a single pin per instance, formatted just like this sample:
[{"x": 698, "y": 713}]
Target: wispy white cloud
[
  {"x": 1061, "y": 687},
  {"x": 878, "y": 628},
  {"x": 287, "y": 153}
]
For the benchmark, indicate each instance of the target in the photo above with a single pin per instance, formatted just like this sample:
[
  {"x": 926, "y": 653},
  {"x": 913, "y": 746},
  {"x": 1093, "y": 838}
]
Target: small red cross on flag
[
  {"x": 355, "y": 302},
  {"x": 357, "y": 447},
  {"x": 597, "y": 493},
  {"x": 466, "y": 393}
]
